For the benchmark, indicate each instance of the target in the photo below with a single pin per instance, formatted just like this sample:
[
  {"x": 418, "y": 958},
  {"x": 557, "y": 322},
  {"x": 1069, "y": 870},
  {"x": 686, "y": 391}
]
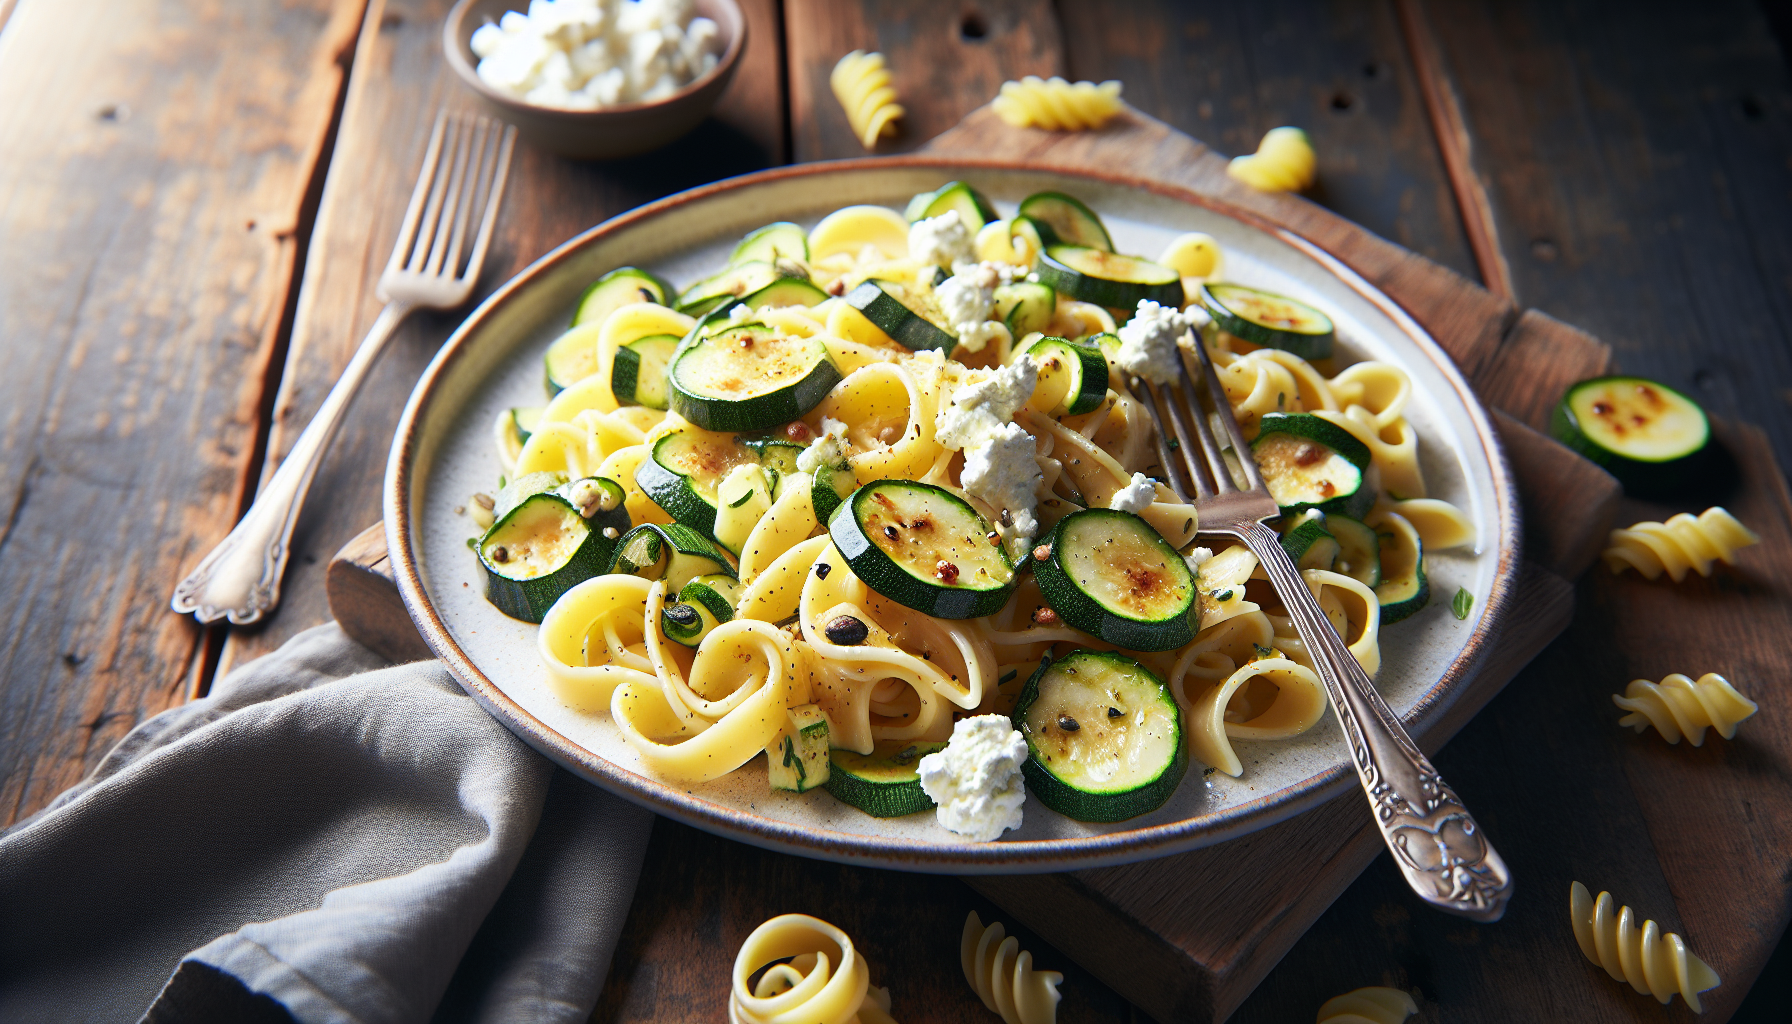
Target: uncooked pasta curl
[
  {"x": 1371, "y": 1005},
  {"x": 1683, "y": 542},
  {"x": 1677, "y": 706},
  {"x": 1003, "y": 976},
  {"x": 827, "y": 982},
  {"x": 862, "y": 85},
  {"x": 1653, "y": 963},
  {"x": 1057, "y": 105},
  {"x": 1284, "y": 162}
]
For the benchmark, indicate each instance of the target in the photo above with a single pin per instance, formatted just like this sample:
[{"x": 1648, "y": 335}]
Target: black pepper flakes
[{"x": 822, "y": 569}]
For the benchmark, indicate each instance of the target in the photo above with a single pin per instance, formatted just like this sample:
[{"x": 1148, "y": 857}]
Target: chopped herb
[
  {"x": 1224, "y": 595},
  {"x": 1463, "y": 602},
  {"x": 472, "y": 543}
]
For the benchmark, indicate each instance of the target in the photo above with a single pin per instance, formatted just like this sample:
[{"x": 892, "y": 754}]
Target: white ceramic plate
[{"x": 443, "y": 453}]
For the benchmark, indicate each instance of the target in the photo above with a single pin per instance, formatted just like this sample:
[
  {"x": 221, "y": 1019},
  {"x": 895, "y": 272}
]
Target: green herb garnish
[{"x": 1462, "y": 603}]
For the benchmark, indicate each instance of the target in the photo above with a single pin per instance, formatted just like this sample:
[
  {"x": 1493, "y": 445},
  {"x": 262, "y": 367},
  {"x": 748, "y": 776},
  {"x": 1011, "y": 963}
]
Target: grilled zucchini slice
[
  {"x": 638, "y": 375},
  {"x": 885, "y": 783},
  {"x": 619, "y": 288},
  {"x": 1104, "y": 737},
  {"x": 545, "y": 542},
  {"x": 1359, "y": 550},
  {"x": 703, "y": 604},
  {"x": 749, "y": 377},
  {"x": 1112, "y": 575},
  {"x": 1309, "y": 462},
  {"x": 769, "y": 244},
  {"x": 1025, "y": 307},
  {"x": 671, "y": 552},
  {"x": 1073, "y": 378},
  {"x": 728, "y": 287},
  {"x": 973, "y": 208},
  {"x": 924, "y": 547},
  {"x": 1064, "y": 220},
  {"x": 1308, "y": 543},
  {"x": 1405, "y": 588},
  {"x": 1274, "y": 321},
  {"x": 685, "y": 470},
  {"x": 1106, "y": 278},
  {"x": 892, "y": 309},
  {"x": 1654, "y": 439}
]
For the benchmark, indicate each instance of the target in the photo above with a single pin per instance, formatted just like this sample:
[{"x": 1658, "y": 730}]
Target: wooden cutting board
[{"x": 1188, "y": 937}]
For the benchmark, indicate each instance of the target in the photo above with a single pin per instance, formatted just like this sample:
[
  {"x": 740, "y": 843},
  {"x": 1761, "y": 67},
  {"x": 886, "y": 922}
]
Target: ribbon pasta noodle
[{"x": 825, "y": 980}]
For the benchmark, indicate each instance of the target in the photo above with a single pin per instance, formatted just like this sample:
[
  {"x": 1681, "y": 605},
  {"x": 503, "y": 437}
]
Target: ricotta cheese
[
  {"x": 941, "y": 241},
  {"x": 587, "y": 54},
  {"x": 1002, "y": 471},
  {"x": 827, "y": 450},
  {"x": 1148, "y": 342},
  {"x": 976, "y": 779},
  {"x": 967, "y": 298},
  {"x": 1136, "y": 496},
  {"x": 978, "y": 409}
]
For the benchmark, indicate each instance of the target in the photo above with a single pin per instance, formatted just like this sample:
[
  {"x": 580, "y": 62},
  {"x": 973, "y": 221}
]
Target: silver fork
[
  {"x": 1436, "y": 842},
  {"x": 457, "y": 197}
]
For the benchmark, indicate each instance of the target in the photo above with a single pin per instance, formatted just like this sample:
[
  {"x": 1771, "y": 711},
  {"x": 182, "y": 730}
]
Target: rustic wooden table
[{"x": 195, "y": 197}]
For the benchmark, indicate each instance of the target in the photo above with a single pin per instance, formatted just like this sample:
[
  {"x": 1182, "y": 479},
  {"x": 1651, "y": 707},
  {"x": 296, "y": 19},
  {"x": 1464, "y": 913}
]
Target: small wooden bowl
[{"x": 610, "y": 132}]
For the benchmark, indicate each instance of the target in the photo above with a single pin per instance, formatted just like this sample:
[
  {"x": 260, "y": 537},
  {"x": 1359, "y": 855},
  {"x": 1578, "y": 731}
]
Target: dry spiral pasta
[
  {"x": 826, "y": 982},
  {"x": 1677, "y": 706},
  {"x": 1057, "y": 105},
  {"x": 1002, "y": 974},
  {"x": 1654, "y": 963},
  {"x": 862, "y": 85},
  {"x": 1683, "y": 542},
  {"x": 1373, "y": 1004},
  {"x": 1284, "y": 162}
]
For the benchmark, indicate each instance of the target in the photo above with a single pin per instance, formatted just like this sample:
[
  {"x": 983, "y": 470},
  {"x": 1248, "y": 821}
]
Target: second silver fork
[{"x": 1438, "y": 845}]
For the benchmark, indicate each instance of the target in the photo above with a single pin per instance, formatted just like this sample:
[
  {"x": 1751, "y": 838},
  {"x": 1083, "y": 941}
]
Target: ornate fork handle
[{"x": 1443, "y": 853}]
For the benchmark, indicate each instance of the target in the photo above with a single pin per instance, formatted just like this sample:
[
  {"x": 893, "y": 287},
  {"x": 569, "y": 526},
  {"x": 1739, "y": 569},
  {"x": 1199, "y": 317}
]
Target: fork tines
[
  {"x": 463, "y": 175},
  {"x": 1178, "y": 404}
]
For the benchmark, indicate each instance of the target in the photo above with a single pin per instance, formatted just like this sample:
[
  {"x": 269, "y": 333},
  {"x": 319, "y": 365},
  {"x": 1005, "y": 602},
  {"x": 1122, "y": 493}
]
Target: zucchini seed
[
  {"x": 847, "y": 631},
  {"x": 1115, "y": 712},
  {"x": 1068, "y": 724},
  {"x": 500, "y": 554},
  {"x": 890, "y": 532}
]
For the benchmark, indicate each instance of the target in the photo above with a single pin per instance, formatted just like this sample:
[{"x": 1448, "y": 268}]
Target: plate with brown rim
[{"x": 443, "y": 452}]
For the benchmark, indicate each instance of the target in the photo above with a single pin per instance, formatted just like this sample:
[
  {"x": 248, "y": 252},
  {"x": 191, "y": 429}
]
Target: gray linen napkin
[{"x": 323, "y": 838}]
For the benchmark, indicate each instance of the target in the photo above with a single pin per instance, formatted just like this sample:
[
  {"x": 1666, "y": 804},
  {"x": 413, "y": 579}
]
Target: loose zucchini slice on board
[
  {"x": 885, "y": 783},
  {"x": 1073, "y": 378},
  {"x": 1308, "y": 543},
  {"x": 638, "y": 375},
  {"x": 703, "y": 604},
  {"x": 685, "y": 470},
  {"x": 671, "y": 552},
  {"x": 923, "y": 547},
  {"x": 539, "y": 549},
  {"x": 1104, "y": 737},
  {"x": 973, "y": 208},
  {"x": 749, "y": 377},
  {"x": 1404, "y": 587},
  {"x": 892, "y": 310},
  {"x": 1106, "y": 278},
  {"x": 1651, "y": 437},
  {"x": 779, "y": 240},
  {"x": 1064, "y": 220},
  {"x": 1274, "y": 321},
  {"x": 619, "y": 288},
  {"x": 797, "y": 758},
  {"x": 1309, "y": 462},
  {"x": 727, "y": 287},
  {"x": 1025, "y": 307},
  {"x": 1112, "y": 575}
]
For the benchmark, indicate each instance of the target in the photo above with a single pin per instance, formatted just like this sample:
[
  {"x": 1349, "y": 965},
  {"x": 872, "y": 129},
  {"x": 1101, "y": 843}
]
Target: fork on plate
[
  {"x": 1439, "y": 847},
  {"x": 435, "y": 264}
]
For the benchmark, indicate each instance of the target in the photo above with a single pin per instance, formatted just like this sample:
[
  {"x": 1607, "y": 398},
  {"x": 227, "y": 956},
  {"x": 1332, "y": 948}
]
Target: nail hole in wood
[
  {"x": 973, "y": 27},
  {"x": 1545, "y": 250},
  {"x": 1342, "y": 101},
  {"x": 1372, "y": 69},
  {"x": 1751, "y": 108}
]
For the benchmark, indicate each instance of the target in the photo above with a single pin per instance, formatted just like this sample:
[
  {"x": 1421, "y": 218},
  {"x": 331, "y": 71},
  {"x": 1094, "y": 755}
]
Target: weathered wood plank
[
  {"x": 1535, "y": 363},
  {"x": 152, "y": 194},
  {"x": 1638, "y": 175},
  {"x": 944, "y": 62},
  {"x": 1227, "y": 73},
  {"x": 400, "y": 80}
]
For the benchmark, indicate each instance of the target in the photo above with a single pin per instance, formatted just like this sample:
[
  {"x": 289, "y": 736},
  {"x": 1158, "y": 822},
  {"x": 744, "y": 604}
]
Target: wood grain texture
[
  {"x": 400, "y": 81},
  {"x": 152, "y": 191},
  {"x": 1638, "y": 177},
  {"x": 944, "y": 61},
  {"x": 1534, "y": 365},
  {"x": 1569, "y": 503},
  {"x": 364, "y": 600},
  {"x": 1226, "y": 73}
]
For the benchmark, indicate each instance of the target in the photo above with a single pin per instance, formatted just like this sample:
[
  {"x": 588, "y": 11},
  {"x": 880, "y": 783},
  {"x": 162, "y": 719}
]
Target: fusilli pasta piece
[
  {"x": 862, "y": 85},
  {"x": 1284, "y": 162},
  {"x": 1683, "y": 542},
  {"x": 1057, "y": 105},
  {"x": 1371, "y": 1005},
  {"x": 1678, "y": 706},
  {"x": 1653, "y": 963},
  {"x": 828, "y": 982},
  {"x": 1003, "y": 977}
]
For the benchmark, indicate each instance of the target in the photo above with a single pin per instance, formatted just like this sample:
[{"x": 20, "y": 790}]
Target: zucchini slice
[
  {"x": 1404, "y": 587},
  {"x": 924, "y": 547},
  {"x": 887, "y": 305},
  {"x": 750, "y": 377},
  {"x": 786, "y": 291},
  {"x": 572, "y": 357},
  {"x": 1112, "y": 575},
  {"x": 638, "y": 375},
  {"x": 671, "y": 552},
  {"x": 1073, "y": 379},
  {"x": 1025, "y": 307},
  {"x": 1067, "y": 220},
  {"x": 703, "y": 604},
  {"x": 619, "y": 288},
  {"x": 832, "y": 486},
  {"x": 796, "y": 760},
  {"x": 775, "y": 241},
  {"x": 1359, "y": 550},
  {"x": 885, "y": 783},
  {"x": 685, "y": 470},
  {"x": 1274, "y": 321},
  {"x": 1309, "y": 462},
  {"x": 1107, "y": 279},
  {"x": 777, "y": 457},
  {"x": 514, "y": 428},
  {"x": 537, "y": 551},
  {"x": 1648, "y": 435},
  {"x": 973, "y": 208},
  {"x": 1104, "y": 737},
  {"x": 1308, "y": 543},
  {"x": 727, "y": 287}
]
